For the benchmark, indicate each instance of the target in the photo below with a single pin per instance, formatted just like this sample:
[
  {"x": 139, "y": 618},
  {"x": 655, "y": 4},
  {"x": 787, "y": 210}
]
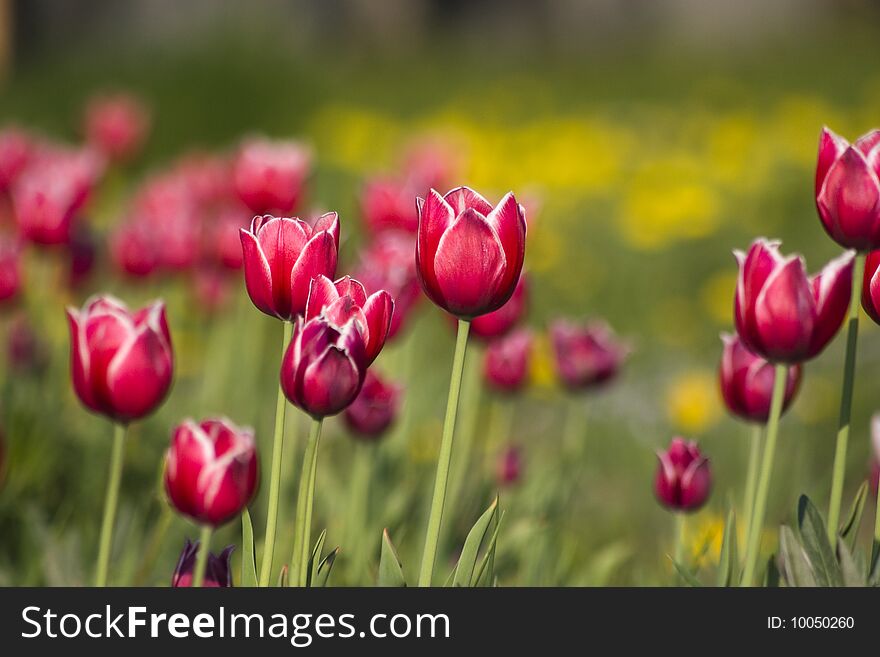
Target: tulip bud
[
  {"x": 121, "y": 362},
  {"x": 218, "y": 573},
  {"x": 684, "y": 479},
  {"x": 586, "y": 355},
  {"x": 782, "y": 314},
  {"x": 324, "y": 366},
  {"x": 282, "y": 256},
  {"x": 269, "y": 176},
  {"x": 15, "y": 150},
  {"x": 499, "y": 322},
  {"x": 389, "y": 205},
  {"x": 510, "y": 466},
  {"x": 211, "y": 470},
  {"x": 506, "y": 363},
  {"x": 747, "y": 381},
  {"x": 117, "y": 126},
  {"x": 10, "y": 269},
  {"x": 134, "y": 249},
  {"x": 374, "y": 409},
  {"x": 871, "y": 286},
  {"x": 44, "y": 204},
  {"x": 469, "y": 255},
  {"x": 848, "y": 189},
  {"x": 226, "y": 240}
]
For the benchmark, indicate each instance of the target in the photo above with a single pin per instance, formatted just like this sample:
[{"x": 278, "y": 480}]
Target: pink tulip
[
  {"x": 269, "y": 176},
  {"x": 684, "y": 478},
  {"x": 871, "y": 286},
  {"x": 15, "y": 150},
  {"x": 506, "y": 364},
  {"x": 510, "y": 466},
  {"x": 499, "y": 322},
  {"x": 134, "y": 249},
  {"x": 374, "y": 409},
  {"x": 10, "y": 268},
  {"x": 117, "y": 126},
  {"x": 587, "y": 355}
]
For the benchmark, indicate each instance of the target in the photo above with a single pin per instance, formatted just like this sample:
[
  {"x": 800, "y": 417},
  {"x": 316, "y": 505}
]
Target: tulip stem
[
  {"x": 111, "y": 501},
  {"x": 202, "y": 557},
  {"x": 359, "y": 508},
  {"x": 435, "y": 518},
  {"x": 752, "y": 478},
  {"x": 680, "y": 529},
  {"x": 757, "y": 521},
  {"x": 304, "y": 505},
  {"x": 275, "y": 474},
  {"x": 849, "y": 369}
]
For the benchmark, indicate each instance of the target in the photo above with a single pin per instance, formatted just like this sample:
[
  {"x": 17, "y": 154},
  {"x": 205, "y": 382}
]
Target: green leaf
[
  {"x": 464, "y": 569},
  {"x": 815, "y": 542},
  {"x": 771, "y": 579},
  {"x": 686, "y": 575},
  {"x": 852, "y": 577},
  {"x": 315, "y": 558},
  {"x": 390, "y": 570},
  {"x": 283, "y": 576},
  {"x": 325, "y": 567},
  {"x": 485, "y": 574},
  {"x": 248, "y": 561},
  {"x": 728, "y": 564},
  {"x": 850, "y": 528},
  {"x": 796, "y": 568}
]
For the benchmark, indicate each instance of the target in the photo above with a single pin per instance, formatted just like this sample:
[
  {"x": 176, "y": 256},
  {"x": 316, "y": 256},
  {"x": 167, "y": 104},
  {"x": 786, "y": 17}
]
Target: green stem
[
  {"x": 436, "y": 516},
  {"x": 852, "y": 337},
  {"x": 202, "y": 557},
  {"x": 757, "y": 523},
  {"x": 111, "y": 501},
  {"x": 151, "y": 553},
  {"x": 358, "y": 508},
  {"x": 304, "y": 505},
  {"x": 752, "y": 478},
  {"x": 680, "y": 528},
  {"x": 275, "y": 475}
]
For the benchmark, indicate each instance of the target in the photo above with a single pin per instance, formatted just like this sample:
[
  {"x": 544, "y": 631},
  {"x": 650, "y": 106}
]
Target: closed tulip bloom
[
  {"x": 871, "y": 286},
  {"x": 506, "y": 362},
  {"x": 117, "y": 126},
  {"x": 324, "y": 367},
  {"x": 121, "y": 361},
  {"x": 44, "y": 205},
  {"x": 586, "y": 355},
  {"x": 347, "y": 300},
  {"x": 10, "y": 268},
  {"x": 781, "y": 313},
  {"x": 499, "y": 322},
  {"x": 134, "y": 249},
  {"x": 510, "y": 466},
  {"x": 282, "y": 256},
  {"x": 211, "y": 470},
  {"x": 226, "y": 243},
  {"x": 684, "y": 478},
  {"x": 15, "y": 149},
  {"x": 389, "y": 204},
  {"x": 375, "y": 408},
  {"x": 848, "y": 189},
  {"x": 218, "y": 573},
  {"x": 747, "y": 381},
  {"x": 469, "y": 255},
  {"x": 269, "y": 175}
]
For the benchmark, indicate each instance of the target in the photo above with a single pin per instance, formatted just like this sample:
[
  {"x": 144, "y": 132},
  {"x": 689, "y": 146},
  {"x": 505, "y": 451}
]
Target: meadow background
[{"x": 647, "y": 149}]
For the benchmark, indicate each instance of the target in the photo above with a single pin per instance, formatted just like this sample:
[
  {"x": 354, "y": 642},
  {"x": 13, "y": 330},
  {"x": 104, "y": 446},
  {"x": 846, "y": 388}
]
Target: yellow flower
[{"x": 703, "y": 538}]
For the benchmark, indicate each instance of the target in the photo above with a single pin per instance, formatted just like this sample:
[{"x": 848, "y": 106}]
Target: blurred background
[{"x": 647, "y": 140}]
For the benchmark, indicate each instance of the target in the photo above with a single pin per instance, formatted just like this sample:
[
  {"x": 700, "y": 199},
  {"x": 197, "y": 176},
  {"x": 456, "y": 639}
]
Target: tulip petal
[
  {"x": 832, "y": 289},
  {"x": 869, "y": 146},
  {"x": 139, "y": 376},
  {"x": 831, "y": 147},
  {"x": 330, "y": 223},
  {"x": 435, "y": 217},
  {"x": 347, "y": 286},
  {"x": 80, "y": 361},
  {"x": 871, "y": 286},
  {"x": 318, "y": 257},
  {"x": 849, "y": 201},
  {"x": 331, "y": 382},
  {"x": 257, "y": 275},
  {"x": 378, "y": 311},
  {"x": 464, "y": 198},
  {"x": 322, "y": 293},
  {"x": 785, "y": 313},
  {"x": 508, "y": 220}
]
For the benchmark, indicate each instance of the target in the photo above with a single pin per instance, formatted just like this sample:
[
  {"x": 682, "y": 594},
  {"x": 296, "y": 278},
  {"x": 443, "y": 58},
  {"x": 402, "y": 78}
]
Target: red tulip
[
  {"x": 134, "y": 249},
  {"x": 324, "y": 366},
  {"x": 15, "y": 150},
  {"x": 510, "y": 466},
  {"x": 374, "y": 409},
  {"x": 347, "y": 300},
  {"x": 499, "y": 322},
  {"x": 684, "y": 479},
  {"x": 506, "y": 364},
  {"x": 211, "y": 470},
  {"x": 848, "y": 189},
  {"x": 282, "y": 256},
  {"x": 469, "y": 255},
  {"x": 871, "y": 286},
  {"x": 586, "y": 355},
  {"x": 218, "y": 573},
  {"x": 121, "y": 361},
  {"x": 782, "y": 314},
  {"x": 225, "y": 237},
  {"x": 117, "y": 126},
  {"x": 269, "y": 176},
  {"x": 747, "y": 381},
  {"x": 389, "y": 204},
  {"x": 10, "y": 268},
  {"x": 44, "y": 206}
]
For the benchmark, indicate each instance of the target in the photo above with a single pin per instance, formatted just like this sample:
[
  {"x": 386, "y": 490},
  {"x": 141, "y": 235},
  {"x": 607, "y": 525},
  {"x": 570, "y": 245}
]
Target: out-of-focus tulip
[
  {"x": 469, "y": 255},
  {"x": 871, "y": 286},
  {"x": 499, "y": 322},
  {"x": 225, "y": 237},
  {"x": 117, "y": 125},
  {"x": 324, "y": 367},
  {"x": 210, "y": 287},
  {"x": 25, "y": 352},
  {"x": 510, "y": 466},
  {"x": 389, "y": 204},
  {"x": 15, "y": 149},
  {"x": 848, "y": 189},
  {"x": 586, "y": 355},
  {"x": 134, "y": 249},
  {"x": 684, "y": 478},
  {"x": 10, "y": 268},
  {"x": 506, "y": 364},
  {"x": 218, "y": 573},
  {"x": 269, "y": 175},
  {"x": 282, "y": 256},
  {"x": 374, "y": 409},
  {"x": 121, "y": 361},
  {"x": 747, "y": 381},
  {"x": 782, "y": 314},
  {"x": 44, "y": 207},
  {"x": 347, "y": 300},
  {"x": 211, "y": 470},
  {"x": 82, "y": 253}
]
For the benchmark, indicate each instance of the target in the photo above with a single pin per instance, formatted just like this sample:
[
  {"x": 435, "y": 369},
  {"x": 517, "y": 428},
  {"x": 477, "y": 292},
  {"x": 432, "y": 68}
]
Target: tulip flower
[
  {"x": 499, "y": 322},
  {"x": 226, "y": 243},
  {"x": 848, "y": 189},
  {"x": 134, "y": 249},
  {"x": 116, "y": 126},
  {"x": 10, "y": 269},
  {"x": 587, "y": 355},
  {"x": 871, "y": 286},
  {"x": 282, "y": 256},
  {"x": 684, "y": 478},
  {"x": 44, "y": 204},
  {"x": 210, "y": 476},
  {"x": 82, "y": 254},
  {"x": 506, "y": 362},
  {"x": 218, "y": 571},
  {"x": 389, "y": 204},
  {"x": 510, "y": 466},
  {"x": 15, "y": 150},
  {"x": 269, "y": 176},
  {"x": 374, "y": 409}
]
